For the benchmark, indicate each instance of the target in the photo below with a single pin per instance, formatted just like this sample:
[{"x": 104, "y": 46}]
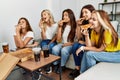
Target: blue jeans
[
  {"x": 91, "y": 57},
  {"x": 64, "y": 52},
  {"x": 78, "y": 58},
  {"x": 46, "y": 42}
]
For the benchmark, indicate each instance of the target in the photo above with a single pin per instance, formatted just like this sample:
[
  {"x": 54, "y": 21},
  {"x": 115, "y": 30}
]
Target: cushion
[
  {"x": 102, "y": 71},
  {"x": 115, "y": 24}
]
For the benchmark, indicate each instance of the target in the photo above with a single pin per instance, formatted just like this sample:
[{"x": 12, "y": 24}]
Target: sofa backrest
[{"x": 115, "y": 24}]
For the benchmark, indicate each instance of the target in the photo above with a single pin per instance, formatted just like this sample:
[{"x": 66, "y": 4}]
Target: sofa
[
  {"x": 101, "y": 71},
  {"x": 70, "y": 63}
]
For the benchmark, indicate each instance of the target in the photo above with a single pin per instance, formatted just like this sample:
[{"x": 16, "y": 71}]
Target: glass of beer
[
  {"x": 45, "y": 49},
  {"x": 36, "y": 54},
  {"x": 5, "y": 47}
]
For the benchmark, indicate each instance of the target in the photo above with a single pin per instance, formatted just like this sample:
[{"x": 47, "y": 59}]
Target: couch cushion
[
  {"x": 102, "y": 71},
  {"x": 70, "y": 63},
  {"x": 115, "y": 24}
]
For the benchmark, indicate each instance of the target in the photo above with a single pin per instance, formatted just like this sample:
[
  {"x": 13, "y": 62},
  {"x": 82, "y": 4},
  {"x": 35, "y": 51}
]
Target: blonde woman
[
  {"x": 48, "y": 29},
  {"x": 104, "y": 45}
]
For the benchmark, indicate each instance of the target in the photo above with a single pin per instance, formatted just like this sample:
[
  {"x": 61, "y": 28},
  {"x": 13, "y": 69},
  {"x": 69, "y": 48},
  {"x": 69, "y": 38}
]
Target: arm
[
  {"x": 59, "y": 32},
  {"x": 22, "y": 44},
  {"x": 43, "y": 35},
  {"x": 16, "y": 41},
  {"x": 87, "y": 38},
  {"x": 35, "y": 44},
  {"x": 82, "y": 48}
]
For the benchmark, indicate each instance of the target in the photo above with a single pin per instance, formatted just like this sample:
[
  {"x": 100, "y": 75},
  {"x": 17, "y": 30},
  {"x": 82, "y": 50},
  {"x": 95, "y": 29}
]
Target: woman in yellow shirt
[{"x": 104, "y": 45}]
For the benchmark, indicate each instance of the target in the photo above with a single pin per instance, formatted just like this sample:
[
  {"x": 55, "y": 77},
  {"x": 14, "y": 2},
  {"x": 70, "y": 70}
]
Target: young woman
[
  {"x": 85, "y": 15},
  {"x": 24, "y": 36},
  {"x": 65, "y": 37},
  {"x": 104, "y": 45},
  {"x": 48, "y": 29}
]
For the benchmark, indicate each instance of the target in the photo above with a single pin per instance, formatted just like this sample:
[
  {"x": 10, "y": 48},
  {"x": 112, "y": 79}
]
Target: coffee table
[{"x": 32, "y": 66}]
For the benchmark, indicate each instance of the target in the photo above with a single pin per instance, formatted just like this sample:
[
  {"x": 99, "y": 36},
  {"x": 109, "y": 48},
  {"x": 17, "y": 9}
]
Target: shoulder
[{"x": 30, "y": 34}]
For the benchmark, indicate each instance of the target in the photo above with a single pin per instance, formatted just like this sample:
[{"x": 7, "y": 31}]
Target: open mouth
[{"x": 44, "y": 19}]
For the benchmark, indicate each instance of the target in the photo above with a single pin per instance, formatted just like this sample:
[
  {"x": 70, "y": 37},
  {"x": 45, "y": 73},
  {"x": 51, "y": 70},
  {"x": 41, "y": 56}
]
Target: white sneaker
[{"x": 49, "y": 70}]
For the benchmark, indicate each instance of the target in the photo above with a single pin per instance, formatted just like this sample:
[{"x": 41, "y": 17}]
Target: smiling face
[
  {"x": 22, "y": 22},
  {"x": 66, "y": 17},
  {"x": 86, "y": 14},
  {"x": 45, "y": 16}
]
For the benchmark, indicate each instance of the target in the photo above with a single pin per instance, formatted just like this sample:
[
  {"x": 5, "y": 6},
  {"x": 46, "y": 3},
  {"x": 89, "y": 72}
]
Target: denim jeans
[
  {"x": 46, "y": 42},
  {"x": 64, "y": 52},
  {"x": 91, "y": 57},
  {"x": 78, "y": 58}
]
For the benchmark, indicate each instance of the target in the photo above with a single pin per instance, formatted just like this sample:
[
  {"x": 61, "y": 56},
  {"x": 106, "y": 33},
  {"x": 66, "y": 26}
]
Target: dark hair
[
  {"x": 72, "y": 24},
  {"x": 28, "y": 27},
  {"x": 89, "y": 7}
]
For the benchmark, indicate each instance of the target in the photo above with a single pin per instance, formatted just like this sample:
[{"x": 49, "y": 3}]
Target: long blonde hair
[
  {"x": 104, "y": 20},
  {"x": 51, "y": 20}
]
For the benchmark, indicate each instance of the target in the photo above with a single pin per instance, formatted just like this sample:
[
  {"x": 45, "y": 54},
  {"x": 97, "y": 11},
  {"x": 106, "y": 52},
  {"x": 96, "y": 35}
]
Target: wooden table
[{"x": 32, "y": 66}]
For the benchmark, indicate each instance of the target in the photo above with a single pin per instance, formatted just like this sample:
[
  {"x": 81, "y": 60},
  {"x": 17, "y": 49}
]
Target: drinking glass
[
  {"x": 36, "y": 51},
  {"x": 45, "y": 49}
]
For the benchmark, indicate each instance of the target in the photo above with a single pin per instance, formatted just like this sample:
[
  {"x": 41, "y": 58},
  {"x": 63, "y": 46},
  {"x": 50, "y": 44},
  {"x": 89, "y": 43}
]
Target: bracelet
[{"x": 82, "y": 48}]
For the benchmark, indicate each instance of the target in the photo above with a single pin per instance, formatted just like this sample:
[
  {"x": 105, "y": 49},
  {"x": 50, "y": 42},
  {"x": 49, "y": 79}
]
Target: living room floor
[{"x": 52, "y": 75}]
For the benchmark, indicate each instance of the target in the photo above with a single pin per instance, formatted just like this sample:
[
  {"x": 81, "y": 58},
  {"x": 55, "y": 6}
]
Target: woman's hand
[
  {"x": 41, "y": 23},
  {"x": 18, "y": 29},
  {"x": 60, "y": 23},
  {"x": 65, "y": 44},
  {"x": 79, "y": 50},
  {"x": 84, "y": 32},
  {"x": 79, "y": 21}
]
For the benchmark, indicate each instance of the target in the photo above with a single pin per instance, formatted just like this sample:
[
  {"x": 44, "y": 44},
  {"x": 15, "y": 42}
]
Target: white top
[
  {"x": 29, "y": 34},
  {"x": 66, "y": 33},
  {"x": 51, "y": 31}
]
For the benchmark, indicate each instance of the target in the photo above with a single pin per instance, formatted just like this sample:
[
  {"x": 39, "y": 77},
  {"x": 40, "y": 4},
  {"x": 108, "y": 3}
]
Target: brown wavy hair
[
  {"x": 89, "y": 7},
  {"x": 28, "y": 26},
  {"x": 105, "y": 23},
  {"x": 72, "y": 24}
]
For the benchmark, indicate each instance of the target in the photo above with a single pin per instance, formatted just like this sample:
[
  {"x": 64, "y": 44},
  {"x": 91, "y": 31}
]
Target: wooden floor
[
  {"x": 64, "y": 75},
  {"x": 52, "y": 75}
]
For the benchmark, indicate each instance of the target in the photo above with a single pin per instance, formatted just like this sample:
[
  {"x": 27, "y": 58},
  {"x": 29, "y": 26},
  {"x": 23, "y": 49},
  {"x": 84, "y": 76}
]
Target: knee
[
  {"x": 64, "y": 52},
  {"x": 54, "y": 50},
  {"x": 52, "y": 45}
]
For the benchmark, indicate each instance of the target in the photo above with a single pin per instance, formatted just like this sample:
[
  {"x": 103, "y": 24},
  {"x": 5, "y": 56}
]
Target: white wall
[{"x": 12, "y": 10}]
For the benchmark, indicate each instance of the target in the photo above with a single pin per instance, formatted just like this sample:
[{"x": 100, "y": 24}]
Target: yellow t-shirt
[{"x": 107, "y": 40}]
